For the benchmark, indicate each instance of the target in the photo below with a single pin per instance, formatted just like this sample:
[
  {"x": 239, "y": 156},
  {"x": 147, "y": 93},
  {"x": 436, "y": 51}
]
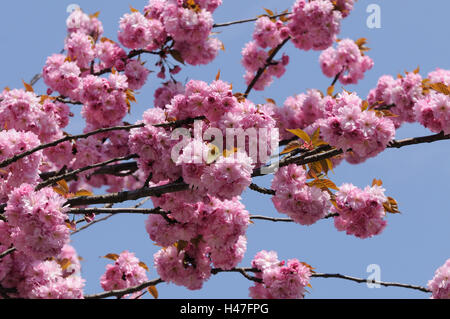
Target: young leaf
[
  {"x": 143, "y": 265},
  {"x": 441, "y": 88},
  {"x": 71, "y": 225},
  {"x": 28, "y": 87},
  {"x": 218, "y": 76},
  {"x": 323, "y": 183},
  {"x": 315, "y": 138},
  {"x": 330, "y": 90},
  {"x": 269, "y": 12},
  {"x": 153, "y": 291},
  {"x": 177, "y": 56},
  {"x": 299, "y": 133},
  {"x": 95, "y": 15},
  {"x": 391, "y": 206},
  {"x": 133, "y": 9},
  {"x": 62, "y": 188},
  {"x": 112, "y": 256},
  {"x": 83, "y": 192},
  {"x": 65, "y": 263},
  {"x": 377, "y": 182},
  {"x": 292, "y": 146},
  {"x": 271, "y": 101}
]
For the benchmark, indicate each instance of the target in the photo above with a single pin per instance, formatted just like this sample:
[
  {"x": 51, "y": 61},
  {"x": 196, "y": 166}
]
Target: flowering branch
[
  {"x": 80, "y": 170},
  {"x": 141, "y": 203},
  {"x": 116, "y": 211},
  {"x": 7, "y": 252},
  {"x": 128, "y": 195},
  {"x": 226, "y": 24},
  {"x": 361, "y": 280},
  {"x": 123, "y": 292},
  {"x": 244, "y": 272},
  {"x": 86, "y": 135},
  {"x": 266, "y": 65}
]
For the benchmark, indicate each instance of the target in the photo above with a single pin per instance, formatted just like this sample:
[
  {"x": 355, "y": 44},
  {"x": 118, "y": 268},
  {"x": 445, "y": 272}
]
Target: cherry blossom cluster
[
  {"x": 440, "y": 284},
  {"x": 37, "y": 221},
  {"x": 304, "y": 204},
  {"x": 280, "y": 280},
  {"x": 54, "y": 278},
  {"x": 346, "y": 60},
  {"x": 23, "y": 171},
  {"x": 399, "y": 94},
  {"x": 198, "y": 230},
  {"x": 302, "y": 111},
  {"x": 127, "y": 271},
  {"x": 315, "y": 24},
  {"x": 433, "y": 112},
  {"x": 360, "y": 211},
  {"x": 201, "y": 164},
  {"x": 268, "y": 34},
  {"x": 23, "y": 111},
  {"x": 187, "y": 23},
  {"x": 365, "y": 133}
]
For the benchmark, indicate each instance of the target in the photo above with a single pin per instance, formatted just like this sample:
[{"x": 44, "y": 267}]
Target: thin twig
[
  {"x": 141, "y": 203},
  {"x": 261, "y": 190},
  {"x": 123, "y": 292},
  {"x": 226, "y": 24},
  {"x": 80, "y": 170},
  {"x": 7, "y": 252},
  {"x": 128, "y": 195},
  {"x": 260, "y": 71},
  {"x": 115, "y": 211},
  {"x": 96, "y": 132},
  {"x": 244, "y": 272},
  {"x": 361, "y": 280}
]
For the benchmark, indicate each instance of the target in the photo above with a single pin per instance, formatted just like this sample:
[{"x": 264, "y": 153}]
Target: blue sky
[{"x": 414, "y": 243}]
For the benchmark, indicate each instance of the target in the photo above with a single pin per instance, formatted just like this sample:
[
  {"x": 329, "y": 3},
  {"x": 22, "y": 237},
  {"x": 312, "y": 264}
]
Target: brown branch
[
  {"x": 261, "y": 190},
  {"x": 116, "y": 211},
  {"x": 128, "y": 195},
  {"x": 180, "y": 186},
  {"x": 86, "y": 135},
  {"x": 7, "y": 252},
  {"x": 65, "y": 139},
  {"x": 63, "y": 100},
  {"x": 226, "y": 24},
  {"x": 361, "y": 280},
  {"x": 117, "y": 169},
  {"x": 72, "y": 174},
  {"x": 271, "y": 219},
  {"x": 123, "y": 292},
  {"x": 260, "y": 71},
  {"x": 419, "y": 140},
  {"x": 141, "y": 203},
  {"x": 284, "y": 220},
  {"x": 244, "y": 272}
]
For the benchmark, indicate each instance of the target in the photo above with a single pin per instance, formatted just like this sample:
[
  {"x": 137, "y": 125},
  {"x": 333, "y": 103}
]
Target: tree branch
[
  {"x": 7, "y": 252},
  {"x": 123, "y": 292},
  {"x": 116, "y": 211},
  {"x": 71, "y": 174},
  {"x": 361, "y": 280},
  {"x": 226, "y": 24},
  {"x": 141, "y": 203},
  {"x": 128, "y": 195},
  {"x": 266, "y": 65},
  {"x": 86, "y": 135},
  {"x": 244, "y": 272}
]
